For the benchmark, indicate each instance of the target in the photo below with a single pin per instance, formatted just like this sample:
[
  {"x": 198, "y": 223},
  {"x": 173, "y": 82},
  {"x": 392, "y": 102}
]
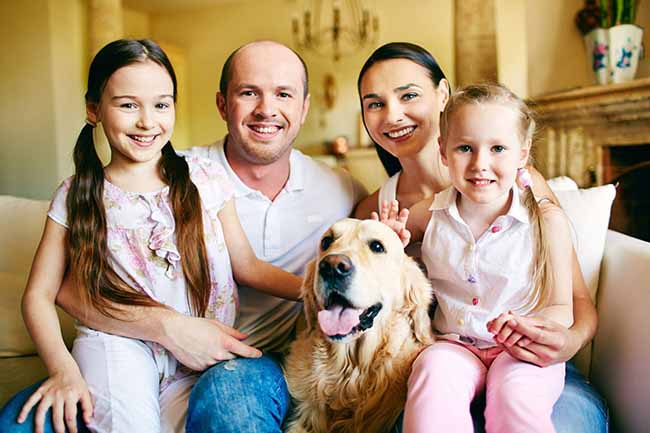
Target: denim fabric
[
  {"x": 251, "y": 395},
  {"x": 10, "y": 412},
  {"x": 241, "y": 395},
  {"x": 580, "y": 408}
]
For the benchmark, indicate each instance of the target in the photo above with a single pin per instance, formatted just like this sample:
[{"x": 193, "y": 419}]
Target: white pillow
[
  {"x": 588, "y": 210},
  {"x": 562, "y": 183}
]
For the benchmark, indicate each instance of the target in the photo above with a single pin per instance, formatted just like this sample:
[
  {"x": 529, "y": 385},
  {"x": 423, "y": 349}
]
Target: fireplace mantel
[{"x": 578, "y": 128}]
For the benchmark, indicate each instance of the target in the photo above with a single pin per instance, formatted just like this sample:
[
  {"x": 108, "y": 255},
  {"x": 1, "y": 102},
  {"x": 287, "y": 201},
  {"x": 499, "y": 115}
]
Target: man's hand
[
  {"x": 390, "y": 215},
  {"x": 538, "y": 340},
  {"x": 199, "y": 343}
]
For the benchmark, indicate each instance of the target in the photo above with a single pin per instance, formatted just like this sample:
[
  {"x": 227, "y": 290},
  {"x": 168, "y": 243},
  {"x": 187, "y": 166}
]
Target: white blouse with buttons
[{"x": 475, "y": 280}]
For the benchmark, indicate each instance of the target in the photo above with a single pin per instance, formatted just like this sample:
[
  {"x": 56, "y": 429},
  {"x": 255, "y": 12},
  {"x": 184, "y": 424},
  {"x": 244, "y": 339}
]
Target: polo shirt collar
[
  {"x": 446, "y": 200},
  {"x": 296, "y": 171}
]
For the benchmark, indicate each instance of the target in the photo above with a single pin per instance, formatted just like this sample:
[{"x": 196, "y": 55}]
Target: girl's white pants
[{"x": 124, "y": 384}]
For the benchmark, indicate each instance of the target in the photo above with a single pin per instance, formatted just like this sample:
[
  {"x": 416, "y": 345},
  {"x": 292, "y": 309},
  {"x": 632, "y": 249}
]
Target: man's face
[{"x": 265, "y": 106}]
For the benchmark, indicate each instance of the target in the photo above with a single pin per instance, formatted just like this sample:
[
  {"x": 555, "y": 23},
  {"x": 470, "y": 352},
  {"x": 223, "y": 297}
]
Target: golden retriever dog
[{"x": 366, "y": 309}]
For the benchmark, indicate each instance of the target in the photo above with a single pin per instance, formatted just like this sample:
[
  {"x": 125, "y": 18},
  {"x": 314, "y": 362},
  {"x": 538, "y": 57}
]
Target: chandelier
[{"x": 335, "y": 27}]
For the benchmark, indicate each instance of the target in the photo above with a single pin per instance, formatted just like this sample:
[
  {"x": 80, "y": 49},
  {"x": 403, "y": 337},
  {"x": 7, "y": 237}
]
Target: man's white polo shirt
[{"x": 286, "y": 233}]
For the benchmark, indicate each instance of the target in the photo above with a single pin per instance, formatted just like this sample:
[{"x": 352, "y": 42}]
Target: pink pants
[{"x": 447, "y": 376}]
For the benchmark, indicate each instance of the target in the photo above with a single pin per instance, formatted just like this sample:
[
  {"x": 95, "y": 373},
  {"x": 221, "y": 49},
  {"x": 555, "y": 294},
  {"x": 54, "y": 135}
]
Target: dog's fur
[{"x": 357, "y": 383}]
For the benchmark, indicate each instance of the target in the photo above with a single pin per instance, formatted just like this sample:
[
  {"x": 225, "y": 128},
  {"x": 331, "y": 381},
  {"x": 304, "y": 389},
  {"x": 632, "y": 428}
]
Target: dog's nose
[{"x": 335, "y": 266}]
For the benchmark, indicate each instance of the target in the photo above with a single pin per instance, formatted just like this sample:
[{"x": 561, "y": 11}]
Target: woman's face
[{"x": 402, "y": 106}]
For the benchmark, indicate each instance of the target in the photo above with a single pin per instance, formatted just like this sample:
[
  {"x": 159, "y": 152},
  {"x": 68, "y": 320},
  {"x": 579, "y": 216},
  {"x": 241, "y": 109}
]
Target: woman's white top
[
  {"x": 474, "y": 280},
  {"x": 388, "y": 191}
]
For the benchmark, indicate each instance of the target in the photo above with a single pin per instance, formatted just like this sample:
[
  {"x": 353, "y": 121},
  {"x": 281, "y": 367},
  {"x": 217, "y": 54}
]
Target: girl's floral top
[{"x": 144, "y": 252}]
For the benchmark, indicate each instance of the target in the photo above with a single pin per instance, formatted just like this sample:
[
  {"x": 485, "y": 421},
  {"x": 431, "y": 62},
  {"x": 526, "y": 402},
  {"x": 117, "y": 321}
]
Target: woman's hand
[
  {"x": 61, "y": 391},
  {"x": 538, "y": 340},
  {"x": 390, "y": 215}
]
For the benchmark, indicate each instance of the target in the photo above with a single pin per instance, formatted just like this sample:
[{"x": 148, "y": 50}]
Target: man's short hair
[{"x": 226, "y": 72}]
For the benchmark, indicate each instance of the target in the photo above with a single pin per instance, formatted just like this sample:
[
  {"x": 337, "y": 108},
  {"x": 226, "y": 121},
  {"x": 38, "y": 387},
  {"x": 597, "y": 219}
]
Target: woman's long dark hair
[
  {"x": 96, "y": 281},
  {"x": 399, "y": 50}
]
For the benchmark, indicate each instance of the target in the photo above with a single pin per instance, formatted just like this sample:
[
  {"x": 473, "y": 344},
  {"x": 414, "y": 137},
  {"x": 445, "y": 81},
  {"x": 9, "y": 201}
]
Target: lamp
[{"x": 352, "y": 27}]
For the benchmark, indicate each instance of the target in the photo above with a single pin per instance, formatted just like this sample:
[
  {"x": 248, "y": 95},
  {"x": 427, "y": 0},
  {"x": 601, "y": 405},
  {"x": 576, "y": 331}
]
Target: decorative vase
[{"x": 614, "y": 52}]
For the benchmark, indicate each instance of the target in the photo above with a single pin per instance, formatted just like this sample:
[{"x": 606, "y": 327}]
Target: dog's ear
[
  {"x": 308, "y": 297},
  {"x": 418, "y": 296}
]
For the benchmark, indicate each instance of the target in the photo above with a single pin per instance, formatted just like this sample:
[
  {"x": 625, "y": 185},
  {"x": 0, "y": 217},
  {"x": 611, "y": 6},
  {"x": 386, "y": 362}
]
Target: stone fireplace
[{"x": 593, "y": 134}]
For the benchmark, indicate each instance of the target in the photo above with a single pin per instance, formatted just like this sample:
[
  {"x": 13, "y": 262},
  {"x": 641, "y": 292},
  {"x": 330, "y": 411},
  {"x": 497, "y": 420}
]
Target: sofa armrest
[{"x": 621, "y": 349}]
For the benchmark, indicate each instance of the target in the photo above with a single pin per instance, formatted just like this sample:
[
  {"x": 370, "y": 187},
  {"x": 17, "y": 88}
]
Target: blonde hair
[{"x": 541, "y": 272}]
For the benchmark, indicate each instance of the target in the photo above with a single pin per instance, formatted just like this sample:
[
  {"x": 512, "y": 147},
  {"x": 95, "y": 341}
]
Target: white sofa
[{"x": 617, "y": 364}]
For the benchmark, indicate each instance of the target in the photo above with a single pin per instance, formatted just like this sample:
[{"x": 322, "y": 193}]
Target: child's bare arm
[
  {"x": 247, "y": 268},
  {"x": 65, "y": 387}
]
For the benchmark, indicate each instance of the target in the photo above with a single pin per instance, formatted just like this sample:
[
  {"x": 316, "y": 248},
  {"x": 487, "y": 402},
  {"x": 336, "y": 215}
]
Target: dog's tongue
[{"x": 338, "y": 320}]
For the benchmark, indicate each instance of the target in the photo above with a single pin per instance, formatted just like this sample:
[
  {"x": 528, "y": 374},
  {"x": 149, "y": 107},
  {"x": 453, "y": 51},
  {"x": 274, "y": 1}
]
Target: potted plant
[{"x": 612, "y": 39}]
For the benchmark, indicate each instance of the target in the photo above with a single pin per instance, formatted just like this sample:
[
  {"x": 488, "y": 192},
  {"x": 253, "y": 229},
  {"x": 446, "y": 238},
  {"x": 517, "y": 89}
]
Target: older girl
[{"x": 149, "y": 228}]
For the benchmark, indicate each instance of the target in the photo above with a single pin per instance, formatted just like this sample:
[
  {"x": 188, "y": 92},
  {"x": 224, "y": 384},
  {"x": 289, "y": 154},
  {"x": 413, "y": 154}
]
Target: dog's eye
[
  {"x": 326, "y": 242},
  {"x": 376, "y": 247}
]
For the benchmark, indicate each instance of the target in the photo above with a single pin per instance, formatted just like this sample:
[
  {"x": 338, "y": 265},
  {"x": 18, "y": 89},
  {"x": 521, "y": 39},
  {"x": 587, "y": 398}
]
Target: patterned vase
[
  {"x": 614, "y": 52},
  {"x": 624, "y": 50}
]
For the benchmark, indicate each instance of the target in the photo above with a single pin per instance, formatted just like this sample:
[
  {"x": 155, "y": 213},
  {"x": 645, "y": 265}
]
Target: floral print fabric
[{"x": 144, "y": 252}]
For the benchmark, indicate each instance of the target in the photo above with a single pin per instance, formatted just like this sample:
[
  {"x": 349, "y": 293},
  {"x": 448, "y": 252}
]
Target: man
[{"x": 285, "y": 201}]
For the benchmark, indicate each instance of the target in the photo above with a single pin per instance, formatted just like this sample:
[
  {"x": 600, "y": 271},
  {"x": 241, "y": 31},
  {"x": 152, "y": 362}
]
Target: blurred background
[{"x": 531, "y": 46}]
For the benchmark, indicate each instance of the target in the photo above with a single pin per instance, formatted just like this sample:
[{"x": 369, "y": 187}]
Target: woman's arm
[
  {"x": 546, "y": 342},
  {"x": 559, "y": 304},
  {"x": 366, "y": 206},
  {"x": 585, "y": 317},
  {"x": 247, "y": 268},
  {"x": 65, "y": 386}
]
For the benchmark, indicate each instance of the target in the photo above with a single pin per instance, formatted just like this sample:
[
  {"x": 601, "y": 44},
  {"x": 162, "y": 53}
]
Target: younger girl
[
  {"x": 150, "y": 228},
  {"x": 490, "y": 249}
]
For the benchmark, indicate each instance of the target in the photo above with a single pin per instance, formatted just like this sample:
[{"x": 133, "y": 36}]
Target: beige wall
[
  {"x": 557, "y": 58},
  {"x": 41, "y": 46},
  {"x": 556, "y": 53},
  {"x": 44, "y": 67},
  {"x": 209, "y": 35}
]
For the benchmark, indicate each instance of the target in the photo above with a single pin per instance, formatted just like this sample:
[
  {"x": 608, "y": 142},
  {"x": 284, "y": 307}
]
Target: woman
[{"x": 402, "y": 92}]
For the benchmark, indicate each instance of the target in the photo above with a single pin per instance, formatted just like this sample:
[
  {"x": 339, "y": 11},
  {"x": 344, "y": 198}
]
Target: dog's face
[{"x": 360, "y": 278}]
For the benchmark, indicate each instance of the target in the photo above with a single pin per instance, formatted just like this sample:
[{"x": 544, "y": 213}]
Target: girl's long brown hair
[
  {"x": 542, "y": 275},
  {"x": 95, "y": 279}
]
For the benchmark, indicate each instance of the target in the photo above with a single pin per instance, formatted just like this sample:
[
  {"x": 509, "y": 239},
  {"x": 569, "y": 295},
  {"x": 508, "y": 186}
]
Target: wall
[
  {"x": 41, "y": 46},
  {"x": 208, "y": 35},
  {"x": 557, "y": 58}
]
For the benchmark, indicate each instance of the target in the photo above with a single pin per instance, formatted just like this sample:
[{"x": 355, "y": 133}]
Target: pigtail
[
  {"x": 186, "y": 205},
  {"x": 541, "y": 274},
  {"x": 93, "y": 277}
]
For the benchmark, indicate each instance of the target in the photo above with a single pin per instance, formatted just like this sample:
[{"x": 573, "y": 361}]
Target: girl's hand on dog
[
  {"x": 390, "y": 215},
  {"x": 62, "y": 391}
]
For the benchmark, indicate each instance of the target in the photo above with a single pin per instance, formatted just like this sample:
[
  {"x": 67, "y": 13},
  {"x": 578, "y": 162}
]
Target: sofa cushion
[
  {"x": 18, "y": 373},
  {"x": 588, "y": 210},
  {"x": 21, "y": 226},
  {"x": 14, "y": 339}
]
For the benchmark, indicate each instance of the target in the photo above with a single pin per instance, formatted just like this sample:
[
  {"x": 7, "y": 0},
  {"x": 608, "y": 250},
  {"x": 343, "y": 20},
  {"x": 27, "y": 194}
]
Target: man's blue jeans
[
  {"x": 250, "y": 395},
  {"x": 243, "y": 395}
]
